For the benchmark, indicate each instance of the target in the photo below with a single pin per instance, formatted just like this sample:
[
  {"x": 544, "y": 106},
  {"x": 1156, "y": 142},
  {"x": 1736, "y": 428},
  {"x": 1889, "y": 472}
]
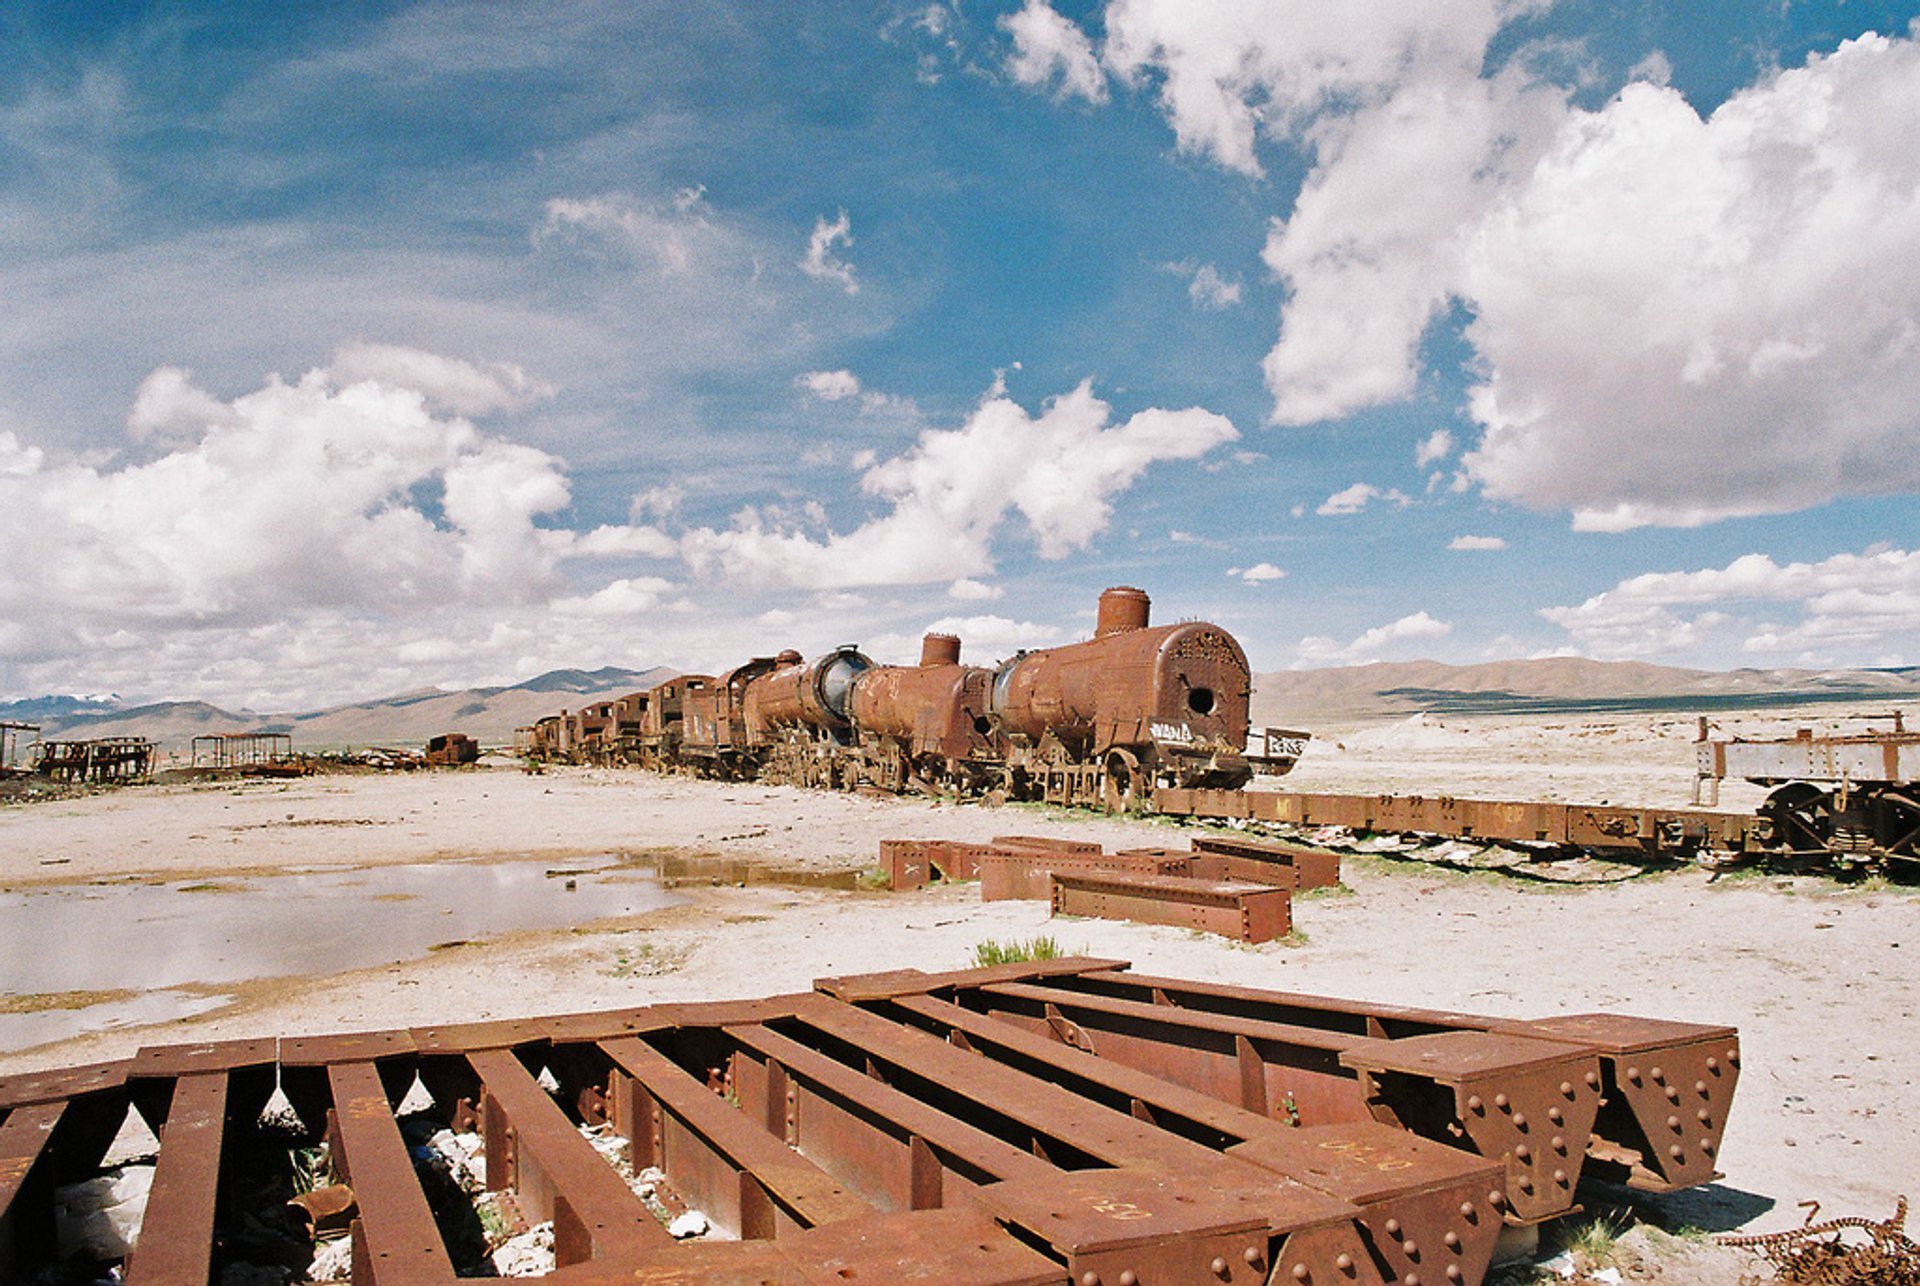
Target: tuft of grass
[
  {"x": 1323, "y": 892},
  {"x": 992, "y": 952},
  {"x": 1597, "y": 1241},
  {"x": 872, "y": 879}
]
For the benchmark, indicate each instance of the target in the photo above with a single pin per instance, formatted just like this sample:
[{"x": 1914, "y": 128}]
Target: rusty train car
[
  {"x": 1103, "y": 722},
  {"x": 1145, "y": 718}
]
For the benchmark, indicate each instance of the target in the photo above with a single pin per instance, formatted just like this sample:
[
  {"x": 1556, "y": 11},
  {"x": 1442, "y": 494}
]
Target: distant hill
[
  {"x": 1553, "y": 685},
  {"x": 488, "y": 714}
]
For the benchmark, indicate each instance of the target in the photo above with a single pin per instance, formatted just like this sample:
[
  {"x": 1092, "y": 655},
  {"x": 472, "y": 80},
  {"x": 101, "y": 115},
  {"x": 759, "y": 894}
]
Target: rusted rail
[
  {"x": 1671, "y": 832},
  {"x": 988, "y": 1126}
]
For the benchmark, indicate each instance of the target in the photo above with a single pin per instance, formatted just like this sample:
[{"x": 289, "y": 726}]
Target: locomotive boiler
[
  {"x": 1134, "y": 707},
  {"x": 926, "y": 726}
]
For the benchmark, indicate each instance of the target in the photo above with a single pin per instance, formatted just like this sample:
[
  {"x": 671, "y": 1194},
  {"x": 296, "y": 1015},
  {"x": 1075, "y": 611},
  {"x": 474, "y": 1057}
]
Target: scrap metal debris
[{"x": 1877, "y": 1253}]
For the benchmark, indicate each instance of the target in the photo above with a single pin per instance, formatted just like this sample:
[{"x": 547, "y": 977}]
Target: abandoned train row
[{"x": 1101, "y": 722}]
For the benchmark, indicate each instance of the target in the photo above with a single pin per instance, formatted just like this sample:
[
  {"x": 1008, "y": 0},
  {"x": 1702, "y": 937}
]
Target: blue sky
[{"x": 364, "y": 348}]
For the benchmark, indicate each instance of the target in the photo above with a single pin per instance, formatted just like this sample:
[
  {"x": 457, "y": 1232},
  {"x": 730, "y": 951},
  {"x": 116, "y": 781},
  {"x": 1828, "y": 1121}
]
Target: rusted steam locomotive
[{"x": 1101, "y": 722}]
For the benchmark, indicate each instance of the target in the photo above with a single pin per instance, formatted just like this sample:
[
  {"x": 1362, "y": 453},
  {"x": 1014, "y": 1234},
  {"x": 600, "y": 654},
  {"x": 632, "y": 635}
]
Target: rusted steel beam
[
  {"x": 1651, "y": 831},
  {"x": 534, "y": 1149},
  {"x": 1196, "y": 1223},
  {"x": 395, "y": 1242},
  {"x": 1666, "y": 1090},
  {"x": 1265, "y": 861},
  {"x": 1412, "y": 1192},
  {"x": 914, "y": 863},
  {"x": 1025, "y": 874},
  {"x": 1248, "y": 912},
  {"x": 1525, "y": 1102},
  {"x": 176, "y": 1236},
  {"x": 856, "y": 988},
  {"x": 894, "y": 1151},
  {"x": 749, "y": 1183},
  {"x": 1641, "y": 1120},
  {"x": 24, "y": 1135},
  {"x": 23, "y": 1089}
]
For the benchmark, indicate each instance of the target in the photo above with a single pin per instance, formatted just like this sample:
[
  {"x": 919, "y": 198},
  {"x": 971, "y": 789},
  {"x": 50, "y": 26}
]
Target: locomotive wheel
[
  {"x": 1802, "y": 817},
  {"x": 1124, "y": 789}
]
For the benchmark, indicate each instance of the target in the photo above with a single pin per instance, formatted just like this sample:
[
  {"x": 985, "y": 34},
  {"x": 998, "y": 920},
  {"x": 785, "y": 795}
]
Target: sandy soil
[{"x": 1817, "y": 977}]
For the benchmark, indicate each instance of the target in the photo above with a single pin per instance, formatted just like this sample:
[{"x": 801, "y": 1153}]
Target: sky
[{"x": 355, "y": 349}]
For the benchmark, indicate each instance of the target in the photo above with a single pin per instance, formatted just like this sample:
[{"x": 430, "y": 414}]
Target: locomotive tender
[{"x": 1102, "y": 722}]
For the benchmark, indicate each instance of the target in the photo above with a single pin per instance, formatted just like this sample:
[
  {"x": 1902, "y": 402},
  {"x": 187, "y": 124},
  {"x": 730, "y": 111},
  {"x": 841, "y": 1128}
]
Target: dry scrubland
[{"x": 1817, "y": 976}]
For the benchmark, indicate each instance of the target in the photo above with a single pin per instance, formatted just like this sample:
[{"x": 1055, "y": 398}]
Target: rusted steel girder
[
  {"x": 1664, "y": 1085},
  {"x": 1650, "y": 831},
  {"x": 1247, "y": 912},
  {"x": 985, "y": 1126}
]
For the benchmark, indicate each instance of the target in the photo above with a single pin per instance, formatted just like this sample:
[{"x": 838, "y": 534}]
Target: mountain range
[
  {"x": 1554, "y": 685},
  {"x": 487, "y": 714}
]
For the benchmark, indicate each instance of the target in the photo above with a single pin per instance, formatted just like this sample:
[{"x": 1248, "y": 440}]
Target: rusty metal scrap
[
  {"x": 242, "y": 749},
  {"x": 879, "y": 1128},
  {"x": 1879, "y": 1253},
  {"x": 1247, "y": 912}
]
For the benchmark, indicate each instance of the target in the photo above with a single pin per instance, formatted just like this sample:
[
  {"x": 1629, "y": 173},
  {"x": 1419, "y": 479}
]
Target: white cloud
[
  {"x": 983, "y": 639},
  {"x": 661, "y": 502},
  {"x": 1662, "y": 338},
  {"x": 1435, "y": 447},
  {"x": 1717, "y": 349},
  {"x": 169, "y": 405},
  {"x": 974, "y": 591},
  {"x": 1351, "y": 500},
  {"x": 460, "y": 387},
  {"x": 949, "y": 496},
  {"x": 830, "y": 386},
  {"x": 1845, "y": 610},
  {"x": 1320, "y": 650},
  {"x": 1258, "y": 573},
  {"x": 820, "y": 262},
  {"x": 1043, "y": 43},
  {"x": 1477, "y": 542},
  {"x": 1228, "y": 70},
  {"x": 676, "y": 237},
  {"x": 1209, "y": 290},
  {"x": 1676, "y": 320},
  {"x": 328, "y": 534}
]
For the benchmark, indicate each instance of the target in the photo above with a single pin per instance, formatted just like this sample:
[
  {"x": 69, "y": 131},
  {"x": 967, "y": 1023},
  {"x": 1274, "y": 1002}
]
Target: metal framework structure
[
  {"x": 1042, "y": 1123},
  {"x": 241, "y": 749},
  {"x": 10, "y": 744},
  {"x": 100, "y": 761}
]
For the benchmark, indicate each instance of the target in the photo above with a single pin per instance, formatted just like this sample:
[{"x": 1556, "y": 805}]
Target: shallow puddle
[{"x": 150, "y": 937}]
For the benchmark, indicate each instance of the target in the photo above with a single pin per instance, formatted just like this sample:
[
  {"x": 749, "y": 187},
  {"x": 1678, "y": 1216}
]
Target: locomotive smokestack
[
  {"x": 1122, "y": 608},
  {"x": 939, "y": 649}
]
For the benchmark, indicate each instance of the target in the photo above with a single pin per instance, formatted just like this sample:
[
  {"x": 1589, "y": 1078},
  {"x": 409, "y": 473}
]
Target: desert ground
[{"x": 1817, "y": 975}]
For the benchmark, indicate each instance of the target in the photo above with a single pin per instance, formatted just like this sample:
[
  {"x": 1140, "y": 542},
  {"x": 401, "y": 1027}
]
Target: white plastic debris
[
  {"x": 417, "y": 1099},
  {"x": 548, "y": 1081},
  {"x": 1608, "y": 1277},
  {"x": 690, "y": 1224},
  {"x": 332, "y": 1261},
  {"x": 464, "y": 1157},
  {"x": 528, "y": 1255},
  {"x": 278, "y": 1112},
  {"x": 134, "y": 1142},
  {"x": 100, "y": 1217},
  {"x": 1562, "y": 1266}
]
